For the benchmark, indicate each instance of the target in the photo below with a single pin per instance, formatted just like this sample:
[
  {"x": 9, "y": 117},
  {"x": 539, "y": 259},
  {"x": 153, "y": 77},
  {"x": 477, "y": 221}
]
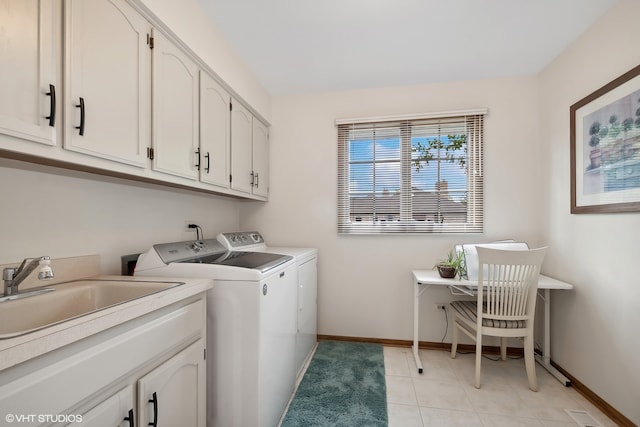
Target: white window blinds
[{"x": 417, "y": 175}]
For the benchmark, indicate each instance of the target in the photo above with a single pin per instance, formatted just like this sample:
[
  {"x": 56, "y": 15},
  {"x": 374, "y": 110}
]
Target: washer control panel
[
  {"x": 180, "y": 251},
  {"x": 240, "y": 239}
]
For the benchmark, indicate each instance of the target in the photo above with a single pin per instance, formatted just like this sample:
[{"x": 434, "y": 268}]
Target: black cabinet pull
[
  {"x": 154, "y": 400},
  {"x": 257, "y": 180},
  {"x": 198, "y": 159},
  {"x": 52, "y": 105},
  {"x": 130, "y": 418},
  {"x": 208, "y": 162},
  {"x": 81, "y": 107},
  {"x": 252, "y": 183}
]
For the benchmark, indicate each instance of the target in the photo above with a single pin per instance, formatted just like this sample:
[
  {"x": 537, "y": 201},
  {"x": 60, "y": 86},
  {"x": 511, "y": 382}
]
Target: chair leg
[
  {"x": 503, "y": 348},
  {"x": 454, "y": 340},
  {"x": 530, "y": 362},
  {"x": 478, "y": 358}
]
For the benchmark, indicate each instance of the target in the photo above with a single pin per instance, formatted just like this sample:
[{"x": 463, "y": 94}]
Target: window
[{"x": 411, "y": 175}]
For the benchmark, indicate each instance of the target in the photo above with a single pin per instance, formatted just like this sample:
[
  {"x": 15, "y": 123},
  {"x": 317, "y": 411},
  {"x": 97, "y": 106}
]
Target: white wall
[
  {"x": 46, "y": 211},
  {"x": 365, "y": 287},
  {"x": 595, "y": 335}
]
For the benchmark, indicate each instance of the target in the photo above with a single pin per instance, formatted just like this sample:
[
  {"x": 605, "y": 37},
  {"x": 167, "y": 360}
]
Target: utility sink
[{"x": 65, "y": 301}]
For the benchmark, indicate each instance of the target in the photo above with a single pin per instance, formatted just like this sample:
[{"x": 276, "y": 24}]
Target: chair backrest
[{"x": 507, "y": 282}]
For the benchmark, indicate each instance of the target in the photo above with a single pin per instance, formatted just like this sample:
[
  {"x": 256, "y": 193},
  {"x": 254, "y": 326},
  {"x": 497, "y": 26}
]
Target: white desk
[{"x": 423, "y": 279}]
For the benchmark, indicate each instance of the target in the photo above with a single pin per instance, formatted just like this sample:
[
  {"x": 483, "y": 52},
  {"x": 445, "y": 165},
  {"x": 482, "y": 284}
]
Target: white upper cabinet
[
  {"x": 103, "y": 85},
  {"x": 29, "y": 87},
  {"x": 260, "y": 159},
  {"x": 249, "y": 153},
  {"x": 241, "y": 134},
  {"x": 107, "y": 69},
  {"x": 175, "y": 110},
  {"x": 215, "y": 132}
]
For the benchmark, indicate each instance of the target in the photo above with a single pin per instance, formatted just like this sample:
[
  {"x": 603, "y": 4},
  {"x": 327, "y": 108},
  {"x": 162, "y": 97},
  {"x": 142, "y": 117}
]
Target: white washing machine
[
  {"x": 251, "y": 326},
  {"x": 307, "y": 283}
]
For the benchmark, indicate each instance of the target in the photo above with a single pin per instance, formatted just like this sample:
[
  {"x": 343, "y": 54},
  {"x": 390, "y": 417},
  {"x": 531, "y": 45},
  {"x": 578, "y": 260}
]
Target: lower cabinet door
[
  {"x": 116, "y": 410},
  {"x": 174, "y": 394}
]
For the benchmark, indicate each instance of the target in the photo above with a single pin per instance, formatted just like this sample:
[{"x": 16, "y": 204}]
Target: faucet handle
[
  {"x": 45, "y": 273},
  {"x": 9, "y": 273}
]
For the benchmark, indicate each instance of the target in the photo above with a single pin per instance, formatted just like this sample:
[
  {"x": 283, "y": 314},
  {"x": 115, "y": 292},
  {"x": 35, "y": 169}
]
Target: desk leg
[
  {"x": 545, "y": 359},
  {"x": 416, "y": 309}
]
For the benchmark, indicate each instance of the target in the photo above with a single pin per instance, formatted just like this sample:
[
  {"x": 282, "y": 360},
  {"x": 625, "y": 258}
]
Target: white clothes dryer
[{"x": 306, "y": 260}]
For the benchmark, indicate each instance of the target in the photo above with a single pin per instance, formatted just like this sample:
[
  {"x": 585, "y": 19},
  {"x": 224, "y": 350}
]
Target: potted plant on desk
[{"x": 451, "y": 266}]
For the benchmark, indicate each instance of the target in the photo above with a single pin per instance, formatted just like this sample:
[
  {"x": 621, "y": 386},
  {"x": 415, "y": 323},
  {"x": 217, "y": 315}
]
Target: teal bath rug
[{"x": 344, "y": 386}]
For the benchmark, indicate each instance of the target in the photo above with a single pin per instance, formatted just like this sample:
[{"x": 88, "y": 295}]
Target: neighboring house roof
[{"x": 425, "y": 205}]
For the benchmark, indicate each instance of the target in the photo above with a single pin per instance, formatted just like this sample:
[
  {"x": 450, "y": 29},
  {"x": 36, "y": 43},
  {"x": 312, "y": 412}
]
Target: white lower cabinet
[
  {"x": 174, "y": 393},
  {"x": 116, "y": 410},
  {"x": 99, "y": 378}
]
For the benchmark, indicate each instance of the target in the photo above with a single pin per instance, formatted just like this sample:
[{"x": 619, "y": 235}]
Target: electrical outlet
[
  {"x": 441, "y": 306},
  {"x": 186, "y": 226}
]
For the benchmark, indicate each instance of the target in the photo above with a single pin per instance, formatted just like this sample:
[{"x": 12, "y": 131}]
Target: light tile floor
[{"x": 444, "y": 395}]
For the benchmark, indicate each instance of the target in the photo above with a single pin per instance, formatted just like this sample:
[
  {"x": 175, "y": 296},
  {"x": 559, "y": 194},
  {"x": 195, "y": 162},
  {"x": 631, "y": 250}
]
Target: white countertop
[{"x": 19, "y": 349}]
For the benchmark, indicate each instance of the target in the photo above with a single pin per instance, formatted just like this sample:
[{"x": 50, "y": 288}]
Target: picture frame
[{"x": 605, "y": 148}]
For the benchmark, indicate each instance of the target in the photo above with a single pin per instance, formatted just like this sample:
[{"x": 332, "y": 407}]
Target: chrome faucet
[{"x": 14, "y": 276}]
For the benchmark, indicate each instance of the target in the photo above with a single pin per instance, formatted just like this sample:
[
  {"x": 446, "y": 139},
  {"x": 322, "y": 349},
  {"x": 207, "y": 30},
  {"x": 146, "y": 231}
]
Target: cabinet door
[
  {"x": 241, "y": 133},
  {"x": 214, "y": 132},
  {"x": 260, "y": 158},
  {"x": 107, "y": 69},
  {"x": 174, "y": 393},
  {"x": 27, "y": 59},
  {"x": 116, "y": 410},
  {"x": 175, "y": 110}
]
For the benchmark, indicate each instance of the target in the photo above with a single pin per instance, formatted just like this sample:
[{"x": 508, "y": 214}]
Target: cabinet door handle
[
  {"x": 208, "y": 162},
  {"x": 154, "y": 400},
  {"x": 252, "y": 179},
  {"x": 81, "y": 107},
  {"x": 52, "y": 105},
  {"x": 130, "y": 418},
  {"x": 257, "y": 180},
  {"x": 198, "y": 159}
]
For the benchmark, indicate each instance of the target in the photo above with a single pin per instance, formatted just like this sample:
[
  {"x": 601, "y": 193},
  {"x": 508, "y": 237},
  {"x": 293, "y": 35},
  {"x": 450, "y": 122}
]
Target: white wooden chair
[{"x": 505, "y": 305}]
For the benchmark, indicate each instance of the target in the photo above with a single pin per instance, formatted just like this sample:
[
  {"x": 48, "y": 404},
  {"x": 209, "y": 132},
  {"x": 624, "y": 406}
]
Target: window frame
[{"x": 473, "y": 121}]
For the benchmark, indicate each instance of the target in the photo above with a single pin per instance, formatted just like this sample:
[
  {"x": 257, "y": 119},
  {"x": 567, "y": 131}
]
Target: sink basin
[{"x": 68, "y": 301}]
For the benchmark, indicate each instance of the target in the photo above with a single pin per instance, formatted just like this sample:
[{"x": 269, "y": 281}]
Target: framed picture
[{"x": 605, "y": 148}]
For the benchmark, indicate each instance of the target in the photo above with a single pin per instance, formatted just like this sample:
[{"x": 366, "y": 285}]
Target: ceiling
[{"x": 299, "y": 46}]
